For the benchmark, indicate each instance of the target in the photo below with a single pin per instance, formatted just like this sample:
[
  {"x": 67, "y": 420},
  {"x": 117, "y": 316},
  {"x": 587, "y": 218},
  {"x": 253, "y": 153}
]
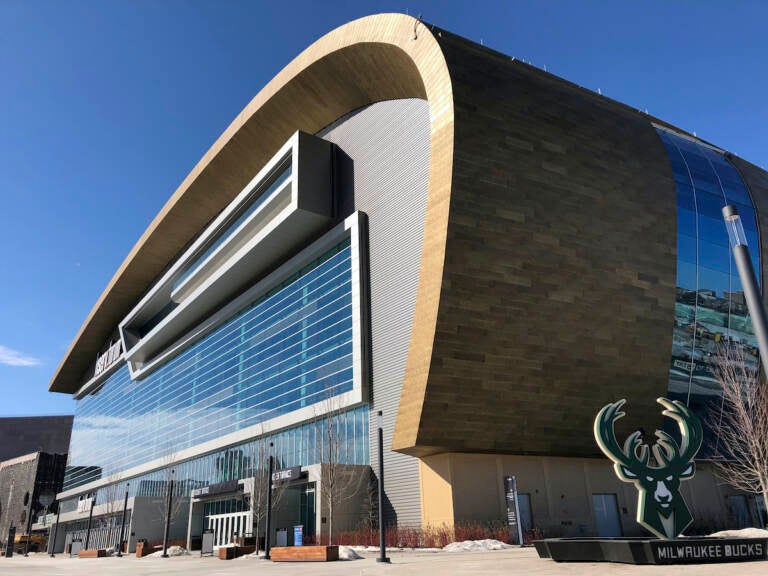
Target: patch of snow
[
  {"x": 375, "y": 549},
  {"x": 348, "y": 553},
  {"x": 476, "y": 545},
  {"x": 743, "y": 533},
  {"x": 365, "y": 548},
  {"x": 258, "y": 555},
  {"x": 172, "y": 551}
]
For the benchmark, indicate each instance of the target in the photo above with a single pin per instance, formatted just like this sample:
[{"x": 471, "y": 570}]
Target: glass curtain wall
[
  {"x": 290, "y": 349},
  {"x": 301, "y": 445},
  {"x": 709, "y": 306}
]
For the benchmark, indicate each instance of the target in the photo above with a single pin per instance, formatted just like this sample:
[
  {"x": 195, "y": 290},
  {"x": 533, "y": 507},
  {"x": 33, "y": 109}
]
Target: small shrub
[{"x": 426, "y": 537}]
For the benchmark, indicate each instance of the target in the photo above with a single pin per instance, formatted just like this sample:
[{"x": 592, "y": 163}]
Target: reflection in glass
[
  {"x": 715, "y": 257},
  {"x": 289, "y": 349},
  {"x": 709, "y": 303},
  {"x": 236, "y": 462}
]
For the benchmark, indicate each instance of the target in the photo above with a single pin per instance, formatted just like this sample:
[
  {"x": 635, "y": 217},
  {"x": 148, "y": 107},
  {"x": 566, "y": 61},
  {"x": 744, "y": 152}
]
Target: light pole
[
  {"x": 382, "y": 528},
  {"x": 55, "y": 530},
  {"x": 269, "y": 503},
  {"x": 168, "y": 516},
  {"x": 122, "y": 523},
  {"x": 748, "y": 280},
  {"x": 90, "y": 518}
]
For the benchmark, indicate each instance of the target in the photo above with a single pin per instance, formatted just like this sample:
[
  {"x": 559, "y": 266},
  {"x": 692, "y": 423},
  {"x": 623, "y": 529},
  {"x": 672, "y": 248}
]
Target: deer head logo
[{"x": 660, "y": 507}]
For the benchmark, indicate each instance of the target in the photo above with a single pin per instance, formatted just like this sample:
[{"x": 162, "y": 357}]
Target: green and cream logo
[{"x": 660, "y": 507}]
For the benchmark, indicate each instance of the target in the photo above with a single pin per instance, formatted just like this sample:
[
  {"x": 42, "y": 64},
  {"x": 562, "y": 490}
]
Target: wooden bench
[
  {"x": 101, "y": 553},
  {"x": 304, "y": 553}
]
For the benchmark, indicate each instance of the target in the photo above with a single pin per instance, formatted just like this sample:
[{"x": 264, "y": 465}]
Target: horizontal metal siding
[{"x": 388, "y": 143}]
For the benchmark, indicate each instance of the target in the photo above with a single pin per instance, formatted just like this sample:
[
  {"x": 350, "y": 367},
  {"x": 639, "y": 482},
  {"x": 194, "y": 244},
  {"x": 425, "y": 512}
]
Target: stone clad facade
[{"x": 22, "y": 481}]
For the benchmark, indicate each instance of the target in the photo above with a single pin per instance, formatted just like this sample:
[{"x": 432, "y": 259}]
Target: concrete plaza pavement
[{"x": 497, "y": 562}]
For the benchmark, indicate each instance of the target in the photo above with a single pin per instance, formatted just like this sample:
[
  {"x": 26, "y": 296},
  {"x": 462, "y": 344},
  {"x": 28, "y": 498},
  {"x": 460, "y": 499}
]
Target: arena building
[{"x": 405, "y": 221}]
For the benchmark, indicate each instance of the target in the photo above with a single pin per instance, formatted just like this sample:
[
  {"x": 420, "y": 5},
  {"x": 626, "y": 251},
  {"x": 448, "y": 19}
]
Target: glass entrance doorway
[
  {"x": 225, "y": 526},
  {"x": 227, "y": 517},
  {"x": 296, "y": 507}
]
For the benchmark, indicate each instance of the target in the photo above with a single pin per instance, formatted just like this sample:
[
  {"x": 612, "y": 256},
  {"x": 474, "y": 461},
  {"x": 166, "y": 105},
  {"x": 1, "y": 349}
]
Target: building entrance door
[
  {"x": 526, "y": 516},
  {"x": 740, "y": 510},
  {"x": 606, "y": 515},
  {"x": 224, "y": 526},
  {"x": 307, "y": 512},
  {"x": 296, "y": 507},
  {"x": 226, "y": 516}
]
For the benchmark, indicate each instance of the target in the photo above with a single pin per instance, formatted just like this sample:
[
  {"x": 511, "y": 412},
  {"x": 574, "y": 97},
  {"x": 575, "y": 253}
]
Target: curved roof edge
[{"x": 375, "y": 58}]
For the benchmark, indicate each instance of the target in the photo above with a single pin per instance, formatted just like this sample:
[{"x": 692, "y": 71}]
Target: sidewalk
[{"x": 502, "y": 562}]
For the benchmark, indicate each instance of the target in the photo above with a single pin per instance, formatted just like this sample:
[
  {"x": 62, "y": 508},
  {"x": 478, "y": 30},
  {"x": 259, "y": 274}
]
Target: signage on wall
[
  {"x": 104, "y": 361},
  {"x": 220, "y": 488},
  {"x": 661, "y": 508},
  {"x": 513, "y": 510},
  {"x": 286, "y": 474}
]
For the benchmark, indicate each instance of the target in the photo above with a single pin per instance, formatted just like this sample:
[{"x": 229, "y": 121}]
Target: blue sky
[{"x": 105, "y": 106}]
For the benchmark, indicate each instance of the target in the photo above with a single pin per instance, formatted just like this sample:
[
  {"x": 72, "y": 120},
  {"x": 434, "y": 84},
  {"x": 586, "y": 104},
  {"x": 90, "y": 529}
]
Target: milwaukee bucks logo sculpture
[{"x": 660, "y": 507}]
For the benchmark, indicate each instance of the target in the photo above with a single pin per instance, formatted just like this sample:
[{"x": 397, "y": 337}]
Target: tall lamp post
[
  {"x": 90, "y": 518},
  {"x": 168, "y": 516},
  {"x": 269, "y": 503},
  {"x": 382, "y": 528},
  {"x": 122, "y": 523},
  {"x": 748, "y": 280}
]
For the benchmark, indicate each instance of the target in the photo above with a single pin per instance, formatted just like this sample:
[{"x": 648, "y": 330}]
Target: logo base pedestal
[{"x": 653, "y": 550}]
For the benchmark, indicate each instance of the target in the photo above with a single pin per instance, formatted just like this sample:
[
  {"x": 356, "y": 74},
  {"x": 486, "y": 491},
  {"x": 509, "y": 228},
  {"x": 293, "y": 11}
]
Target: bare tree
[
  {"x": 339, "y": 481},
  {"x": 258, "y": 452},
  {"x": 369, "y": 506},
  {"x": 742, "y": 424},
  {"x": 113, "y": 503}
]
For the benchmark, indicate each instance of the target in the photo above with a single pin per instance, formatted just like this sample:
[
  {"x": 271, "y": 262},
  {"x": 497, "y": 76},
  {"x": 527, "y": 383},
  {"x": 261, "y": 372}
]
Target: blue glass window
[
  {"x": 261, "y": 196},
  {"x": 290, "y": 349},
  {"x": 234, "y": 463},
  {"x": 709, "y": 306}
]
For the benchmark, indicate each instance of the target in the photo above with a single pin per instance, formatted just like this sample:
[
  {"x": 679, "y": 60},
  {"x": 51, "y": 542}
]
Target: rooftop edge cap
[{"x": 326, "y": 81}]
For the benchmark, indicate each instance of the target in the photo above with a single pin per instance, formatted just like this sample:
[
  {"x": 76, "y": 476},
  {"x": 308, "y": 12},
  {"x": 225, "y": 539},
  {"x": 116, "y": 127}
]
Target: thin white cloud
[{"x": 11, "y": 357}]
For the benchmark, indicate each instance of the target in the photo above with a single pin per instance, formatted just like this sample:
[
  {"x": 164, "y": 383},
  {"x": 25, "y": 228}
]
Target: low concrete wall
[{"x": 460, "y": 487}]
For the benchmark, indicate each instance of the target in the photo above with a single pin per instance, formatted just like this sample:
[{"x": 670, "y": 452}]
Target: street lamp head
[
  {"x": 734, "y": 226},
  {"x": 380, "y": 419}
]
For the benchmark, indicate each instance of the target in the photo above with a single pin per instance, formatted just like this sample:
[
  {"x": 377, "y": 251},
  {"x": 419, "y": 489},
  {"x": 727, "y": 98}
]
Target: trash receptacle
[{"x": 282, "y": 537}]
